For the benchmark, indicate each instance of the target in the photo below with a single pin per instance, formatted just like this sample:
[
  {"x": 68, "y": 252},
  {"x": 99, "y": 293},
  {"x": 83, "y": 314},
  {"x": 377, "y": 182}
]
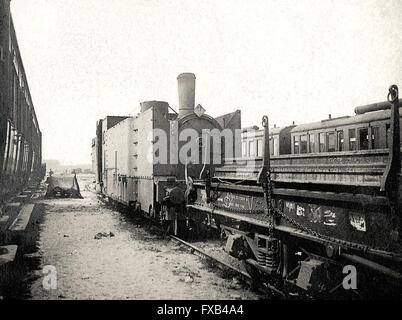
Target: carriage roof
[{"x": 344, "y": 121}]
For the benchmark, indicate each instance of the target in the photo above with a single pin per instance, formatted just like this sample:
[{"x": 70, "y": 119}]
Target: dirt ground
[{"x": 131, "y": 264}]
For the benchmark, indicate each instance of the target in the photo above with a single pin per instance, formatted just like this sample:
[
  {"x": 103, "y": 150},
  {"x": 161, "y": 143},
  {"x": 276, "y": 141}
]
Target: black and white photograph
[{"x": 201, "y": 155}]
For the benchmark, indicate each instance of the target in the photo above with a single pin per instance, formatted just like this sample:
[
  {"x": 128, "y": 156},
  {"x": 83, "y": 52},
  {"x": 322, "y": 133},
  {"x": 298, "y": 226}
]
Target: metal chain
[
  {"x": 269, "y": 203},
  {"x": 299, "y": 226},
  {"x": 272, "y": 211},
  {"x": 321, "y": 236}
]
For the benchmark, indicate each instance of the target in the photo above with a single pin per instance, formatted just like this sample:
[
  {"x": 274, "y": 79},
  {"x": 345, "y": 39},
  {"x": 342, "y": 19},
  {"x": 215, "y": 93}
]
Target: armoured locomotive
[
  {"x": 20, "y": 135},
  {"x": 331, "y": 206},
  {"x": 138, "y": 159}
]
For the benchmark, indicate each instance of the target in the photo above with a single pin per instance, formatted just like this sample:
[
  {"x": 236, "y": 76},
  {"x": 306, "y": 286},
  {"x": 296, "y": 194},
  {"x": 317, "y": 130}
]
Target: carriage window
[
  {"x": 311, "y": 143},
  {"x": 271, "y": 146},
  {"x": 340, "y": 140},
  {"x": 363, "y": 139},
  {"x": 352, "y": 139},
  {"x": 388, "y": 140},
  {"x": 244, "y": 149},
  {"x": 331, "y": 141},
  {"x": 296, "y": 144},
  {"x": 260, "y": 148},
  {"x": 276, "y": 146},
  {"x": 303, "y": 144},
  {"x": 375, "y": 138},
  {"x": 251, "y": 149},
  {"x": 322, "y": 142}
]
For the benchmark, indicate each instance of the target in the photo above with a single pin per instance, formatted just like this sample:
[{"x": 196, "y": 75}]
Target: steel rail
[
  {"x": 203, "y": 253},
  {"x": 226, "y": 265}
]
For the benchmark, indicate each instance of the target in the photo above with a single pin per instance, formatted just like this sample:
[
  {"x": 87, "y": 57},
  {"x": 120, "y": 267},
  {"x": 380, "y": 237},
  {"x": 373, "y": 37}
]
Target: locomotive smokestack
[{"x": 186, "y": 89}]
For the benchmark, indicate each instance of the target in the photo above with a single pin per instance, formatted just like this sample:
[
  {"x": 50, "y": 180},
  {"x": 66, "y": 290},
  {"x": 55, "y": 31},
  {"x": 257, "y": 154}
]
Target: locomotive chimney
[{"x": 186, "y": 89}]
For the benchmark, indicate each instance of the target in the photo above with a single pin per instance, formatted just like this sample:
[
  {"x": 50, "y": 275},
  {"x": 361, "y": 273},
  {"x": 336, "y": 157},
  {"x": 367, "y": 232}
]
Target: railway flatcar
[
  {"x": 20, "y": 135},
  {"x": 311, "y": 222},
  {"x": 142, "y": 161}
]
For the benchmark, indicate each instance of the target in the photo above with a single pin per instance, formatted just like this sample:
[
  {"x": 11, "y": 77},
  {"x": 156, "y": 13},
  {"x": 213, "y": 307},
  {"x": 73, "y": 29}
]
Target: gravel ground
[{"x": 130, "y": 264}]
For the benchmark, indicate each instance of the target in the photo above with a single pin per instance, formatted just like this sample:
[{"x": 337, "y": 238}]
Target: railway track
[
  {"x": 265, "y": 289},
  {"x": 202, "y": 253}
]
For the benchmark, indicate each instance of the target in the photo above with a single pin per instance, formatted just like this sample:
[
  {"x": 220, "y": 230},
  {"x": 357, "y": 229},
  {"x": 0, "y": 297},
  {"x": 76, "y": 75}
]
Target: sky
[{"x": 291, "y": 60}]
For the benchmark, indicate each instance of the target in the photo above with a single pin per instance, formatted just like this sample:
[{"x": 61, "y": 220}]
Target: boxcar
[{"x": 20, "y": 135}]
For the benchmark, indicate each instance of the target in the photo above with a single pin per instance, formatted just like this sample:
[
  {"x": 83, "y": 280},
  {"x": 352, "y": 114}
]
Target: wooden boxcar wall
[
  {"x": 20, "y": 136},
  {"x": 4, "y": 57}
]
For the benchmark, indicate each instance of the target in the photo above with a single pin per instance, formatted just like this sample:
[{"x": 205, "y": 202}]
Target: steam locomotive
[
  {"x": 20, "y": 135},
  {"x": 137, "y": 158}
]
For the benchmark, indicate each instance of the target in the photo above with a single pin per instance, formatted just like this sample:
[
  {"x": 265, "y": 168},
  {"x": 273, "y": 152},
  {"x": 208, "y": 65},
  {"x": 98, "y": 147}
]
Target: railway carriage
[
  {"x": 253, "y": 141},
  {"x": 20, "y": 135},
  {"x": 350, "y": 133}
]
